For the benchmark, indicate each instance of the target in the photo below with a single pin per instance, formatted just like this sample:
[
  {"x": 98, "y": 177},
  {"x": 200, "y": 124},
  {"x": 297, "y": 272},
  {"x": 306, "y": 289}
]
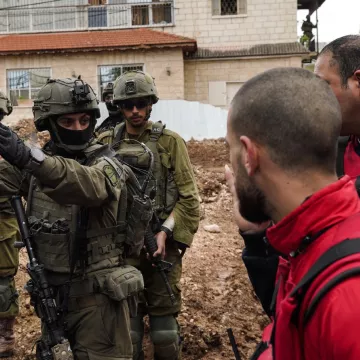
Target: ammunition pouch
[{"x": 124, "y": 283}]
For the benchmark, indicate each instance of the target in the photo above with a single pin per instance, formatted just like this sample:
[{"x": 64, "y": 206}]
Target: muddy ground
[{"x": 216, "y": 291}]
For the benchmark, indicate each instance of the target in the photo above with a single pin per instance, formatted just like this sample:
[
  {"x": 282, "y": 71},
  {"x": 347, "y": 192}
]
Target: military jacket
[
  {"x": 177, "y": 167},
  {"x": 62, "y": 181}
]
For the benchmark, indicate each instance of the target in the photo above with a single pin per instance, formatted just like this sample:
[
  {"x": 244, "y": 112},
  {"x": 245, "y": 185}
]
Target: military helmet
[
  {"x": 108, "y": 89},
  {"x": 5, "y": 104},
  {"x": 63, "y": 96},
  {"x": 134, "y": 84}
]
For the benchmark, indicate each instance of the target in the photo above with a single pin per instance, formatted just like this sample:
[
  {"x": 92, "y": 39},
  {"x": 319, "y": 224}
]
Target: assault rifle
[
  {"x": 150, "y": 241},
  {"x": 54, "y": 346}
]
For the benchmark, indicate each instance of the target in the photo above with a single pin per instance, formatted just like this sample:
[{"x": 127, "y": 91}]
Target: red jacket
[
  {"x": 352, "y": 158},
  {"x": 333, "y": 330}
]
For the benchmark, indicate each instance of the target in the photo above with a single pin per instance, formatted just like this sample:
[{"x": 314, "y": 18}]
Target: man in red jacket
[
  {"x": 282, "y": 133},
  {"x": 339, "y": 65}
]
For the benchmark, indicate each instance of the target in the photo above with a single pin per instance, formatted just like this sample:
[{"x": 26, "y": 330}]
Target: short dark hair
[
  {"x": 346, "y": 53},
  {"x": 294, "y": 114}
]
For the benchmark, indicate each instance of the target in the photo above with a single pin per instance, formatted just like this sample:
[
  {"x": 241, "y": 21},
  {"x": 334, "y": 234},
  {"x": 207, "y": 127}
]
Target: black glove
[{"x": 12, "y": 148}]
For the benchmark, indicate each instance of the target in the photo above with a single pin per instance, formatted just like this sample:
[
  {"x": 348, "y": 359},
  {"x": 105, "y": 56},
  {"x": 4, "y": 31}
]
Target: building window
[
  {"x": 140, "y": 15},
  {"x": 162, "y": 14},
  {"x": 228, "y": 7},
  {"x": 97, "y": 2},
  {"x": 152, "y": 14},
  {"x": 97, "y": 14},
  {"x": 109, "y": 73},
  {"x": 23, "y": 85}
]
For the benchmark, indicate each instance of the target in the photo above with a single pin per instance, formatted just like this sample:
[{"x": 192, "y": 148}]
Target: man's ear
[
  {"x": 250, "y": 155},
  {"x": 357, "y": 77}
]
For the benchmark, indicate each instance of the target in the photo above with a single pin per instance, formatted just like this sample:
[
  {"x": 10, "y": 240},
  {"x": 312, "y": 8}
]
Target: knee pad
[
  {"x": 137, "y": 335},
  {"x": 165, "y": 335},
  {"x": 9, "y": 306}
]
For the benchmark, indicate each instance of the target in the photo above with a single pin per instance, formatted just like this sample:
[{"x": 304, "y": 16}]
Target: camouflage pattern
[{"x": 134, "y": 84}]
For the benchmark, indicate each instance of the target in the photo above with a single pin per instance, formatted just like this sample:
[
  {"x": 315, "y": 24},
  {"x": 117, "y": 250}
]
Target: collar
[
  {"x": 323, "y": 209},
  {"x": 146, "y": 130}
]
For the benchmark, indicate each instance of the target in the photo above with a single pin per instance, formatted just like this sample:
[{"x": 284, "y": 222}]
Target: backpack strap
[
  {"x": 327, "y": 287},
  {"x": 119, "y": 131},
  {"x": 342, "y": 145},
  {"x": 339, "y": 251}
]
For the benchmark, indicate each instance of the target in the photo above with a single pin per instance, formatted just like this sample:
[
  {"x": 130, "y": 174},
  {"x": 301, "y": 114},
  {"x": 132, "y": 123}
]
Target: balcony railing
[{"x": 66, "y": 17}]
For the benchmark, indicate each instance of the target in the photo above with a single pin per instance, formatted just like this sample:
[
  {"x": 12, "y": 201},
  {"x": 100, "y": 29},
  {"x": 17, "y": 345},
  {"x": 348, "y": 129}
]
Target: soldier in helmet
[
  {"x": 115, "y": 115},
  {"x": 176, "y": 203},
  {"x": 9, "y": 262},
  {"x": 74, "y": 192}
]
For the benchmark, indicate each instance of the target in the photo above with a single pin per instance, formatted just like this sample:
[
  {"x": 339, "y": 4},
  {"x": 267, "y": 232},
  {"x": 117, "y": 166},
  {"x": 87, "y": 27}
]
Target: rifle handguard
[{"x": 151, "y": 247}]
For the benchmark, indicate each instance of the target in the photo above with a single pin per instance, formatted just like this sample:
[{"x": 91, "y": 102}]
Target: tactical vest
[
  {"x": 58, "y": 229},
  {"x": 162, "y": 187}
]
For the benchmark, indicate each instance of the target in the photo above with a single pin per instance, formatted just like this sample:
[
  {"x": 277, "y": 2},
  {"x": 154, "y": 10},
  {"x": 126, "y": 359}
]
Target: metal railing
[{"x": 67, "y": 17}]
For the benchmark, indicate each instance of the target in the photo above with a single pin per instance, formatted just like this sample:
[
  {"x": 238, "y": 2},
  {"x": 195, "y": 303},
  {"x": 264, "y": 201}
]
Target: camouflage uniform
[
  {"x": 85, "y": 190},
  {"x": 9, "y": 262},
  {"x": 176, "y": 194}
]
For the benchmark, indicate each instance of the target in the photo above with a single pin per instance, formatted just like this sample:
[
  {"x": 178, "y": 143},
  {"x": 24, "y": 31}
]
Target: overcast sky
[{"x": 336, "y": 18}]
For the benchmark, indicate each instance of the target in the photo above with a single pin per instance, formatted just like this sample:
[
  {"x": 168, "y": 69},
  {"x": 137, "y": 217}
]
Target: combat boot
[{"x": 7, "y": 338}]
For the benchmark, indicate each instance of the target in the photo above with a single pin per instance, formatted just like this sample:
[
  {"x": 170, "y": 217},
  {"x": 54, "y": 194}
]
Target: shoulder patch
[{"x": 112, "y": 175}]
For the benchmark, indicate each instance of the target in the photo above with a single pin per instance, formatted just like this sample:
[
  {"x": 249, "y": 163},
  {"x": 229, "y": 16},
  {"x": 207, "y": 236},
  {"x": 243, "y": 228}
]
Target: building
[{"x": 196, "y": 50}]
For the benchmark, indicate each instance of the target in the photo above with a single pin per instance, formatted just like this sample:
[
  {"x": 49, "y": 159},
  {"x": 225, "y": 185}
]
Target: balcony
[{"x": 61, "y": 16}]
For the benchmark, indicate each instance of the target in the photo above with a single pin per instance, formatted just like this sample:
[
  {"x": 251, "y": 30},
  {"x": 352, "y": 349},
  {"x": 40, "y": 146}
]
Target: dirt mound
[
  {"x": 216, "y": 291},
  {"x": 27, "y": 131},
  {"x": 208, "y": 153}
]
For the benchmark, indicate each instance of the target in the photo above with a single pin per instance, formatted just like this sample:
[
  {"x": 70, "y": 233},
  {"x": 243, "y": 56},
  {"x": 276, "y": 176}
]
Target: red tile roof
[{"x": 92, "y": 41}]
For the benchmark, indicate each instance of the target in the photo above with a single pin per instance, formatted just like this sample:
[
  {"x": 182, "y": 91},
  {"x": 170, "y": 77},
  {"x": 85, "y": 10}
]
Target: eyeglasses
[{"x": 138, "y": 103}]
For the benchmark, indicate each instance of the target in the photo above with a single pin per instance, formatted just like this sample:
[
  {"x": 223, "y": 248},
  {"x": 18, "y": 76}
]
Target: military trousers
[
  {"x": 9, "y": 262},
  {"x": 164, "y": 329},
  {"x": 98, "y": 328}
]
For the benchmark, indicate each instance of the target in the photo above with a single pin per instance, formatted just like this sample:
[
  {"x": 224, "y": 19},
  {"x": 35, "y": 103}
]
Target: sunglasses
[{"x": 138, "y": 103}]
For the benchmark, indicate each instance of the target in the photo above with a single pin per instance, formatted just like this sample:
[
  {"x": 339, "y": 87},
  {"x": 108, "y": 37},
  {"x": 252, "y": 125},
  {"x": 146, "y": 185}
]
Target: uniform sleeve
[
  {"x": 333, "y": 331},
  {"x": 187, "y": 209},
  {"x": 261, "y": 263},
  {"x": 12, "y": 181},
  {"x": 68, "y": 182}
]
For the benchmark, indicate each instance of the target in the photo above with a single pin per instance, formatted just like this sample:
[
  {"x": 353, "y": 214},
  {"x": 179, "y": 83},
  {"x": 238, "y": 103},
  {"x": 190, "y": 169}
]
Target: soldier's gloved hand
[{"x": 12, "y": 148}]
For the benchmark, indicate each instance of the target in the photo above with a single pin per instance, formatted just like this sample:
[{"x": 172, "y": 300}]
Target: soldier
[
  {"x": 115, "y": 116},
  {"x": 74, "y": 201},
  {"x": 176, "y": 203},
  {"x": 307, "y": 28},
  {"x": 9, "y": 262}
]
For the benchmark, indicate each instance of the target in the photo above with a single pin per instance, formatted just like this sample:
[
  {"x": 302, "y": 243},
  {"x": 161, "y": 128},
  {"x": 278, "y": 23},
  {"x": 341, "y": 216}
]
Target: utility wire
[{"x": 21, "y": 6}]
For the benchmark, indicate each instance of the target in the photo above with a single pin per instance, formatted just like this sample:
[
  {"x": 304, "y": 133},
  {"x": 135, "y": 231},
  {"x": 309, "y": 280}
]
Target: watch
[
  {"x": 36, "y": 159},
  {"x": 167, "y": 231}
]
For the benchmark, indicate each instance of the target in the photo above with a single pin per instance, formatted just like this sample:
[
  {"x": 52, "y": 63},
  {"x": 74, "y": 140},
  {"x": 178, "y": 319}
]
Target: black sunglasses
[{"x": 138, "y": 103}]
